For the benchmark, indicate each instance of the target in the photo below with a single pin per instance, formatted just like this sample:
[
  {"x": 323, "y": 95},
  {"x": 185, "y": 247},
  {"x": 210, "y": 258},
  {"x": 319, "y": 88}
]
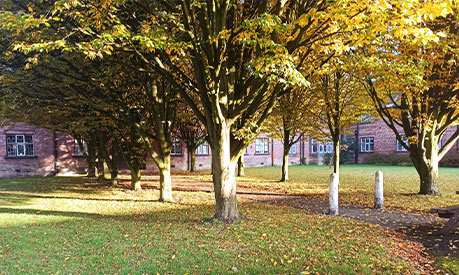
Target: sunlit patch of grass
[
  {"x": 401, "y": 184},
  {"x": 112, "y": 230}
]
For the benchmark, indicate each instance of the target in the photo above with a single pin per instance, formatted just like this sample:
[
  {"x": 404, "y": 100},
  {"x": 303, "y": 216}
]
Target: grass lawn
[
  {"x": 401, "y": 184},
  {"x": 73, "y": 226}
]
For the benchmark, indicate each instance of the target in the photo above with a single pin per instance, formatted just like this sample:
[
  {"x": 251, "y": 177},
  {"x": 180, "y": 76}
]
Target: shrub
[
  {"x": 393, "y": 159},
  {"x": 450, "y": 161}
]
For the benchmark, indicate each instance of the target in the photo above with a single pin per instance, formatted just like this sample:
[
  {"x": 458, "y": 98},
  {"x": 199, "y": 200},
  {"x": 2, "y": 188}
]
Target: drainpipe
[
  {"x": 356, "y": 143},
  {"x": 272, "y": 151},
  {"x": 55, "y": 152}
]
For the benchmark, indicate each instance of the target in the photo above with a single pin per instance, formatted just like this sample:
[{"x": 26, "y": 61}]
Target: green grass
[
  {"x": 401, "y": 184},
  {"x": 71, "y": 226}
]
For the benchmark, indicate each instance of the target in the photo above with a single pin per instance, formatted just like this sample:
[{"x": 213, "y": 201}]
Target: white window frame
[
  {"x": 314, "y": 146},
  {"x": 367, "y": 144},
  {"x": 78, "y": 152},
  {"x": 293, "y": 150},
  {"x": 399, "y": 147},
  {"x": 261, "y": 146},
  {"x": 328, "y": 147},
  {"x": 202, "y": 150},
  {"x": 20, "y": 148},
  {"x": 318, "y": 147},
  {"x": 176, "y": 149}
]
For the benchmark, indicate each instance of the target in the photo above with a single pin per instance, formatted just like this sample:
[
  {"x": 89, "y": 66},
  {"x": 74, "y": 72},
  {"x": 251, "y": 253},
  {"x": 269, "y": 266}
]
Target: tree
[
  {"x": 288, "y": 122},
  {"x": 416, "y": 93},
  {"x": 189, "y": 129},
  {"x": 338, "y": 101}
]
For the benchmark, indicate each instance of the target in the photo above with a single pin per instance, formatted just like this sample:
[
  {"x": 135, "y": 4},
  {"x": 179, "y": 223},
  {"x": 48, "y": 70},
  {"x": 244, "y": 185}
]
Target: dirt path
[{"x": 419, "y": 227}]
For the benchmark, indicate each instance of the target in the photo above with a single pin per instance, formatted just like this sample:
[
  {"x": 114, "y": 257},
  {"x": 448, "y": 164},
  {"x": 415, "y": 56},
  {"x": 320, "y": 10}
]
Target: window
[
  {"x": 202, "y": 150},
  {"x": 176, "y": 147},
  {"x": 246, "y": 152},
  {"x": 367, "y": 144},
  {"x": 78, "y": 150},
  {"x": 320, "y": 147},
  {"x": 261, "y": 146},
  {"x": 399, "y": 146},
  {"x": 292, "y": 150},
  {"x": 19, "y": 146},
  {"x": 367, "y": 119}
]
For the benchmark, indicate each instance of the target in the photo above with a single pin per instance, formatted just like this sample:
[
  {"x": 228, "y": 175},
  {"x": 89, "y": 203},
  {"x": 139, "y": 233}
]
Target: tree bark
[
  {"x": 165, "y": 181},
  {"x": 114, "y": 176},
  {"x": 284, "y": 176},
  {"x": 336, "y": 151},
  {"x": 192, "y": 153},
  {"x": 91, "y": 159},
  {"x": 428, "y": 175},
  {"x": 240, "y": 166},
  {"x": 100, "y": 169},
  {"x": 223, "y": 174},
  {"x": 135, "y": 178},
  {"x": 426, "y": 161},
  {"x": 285, "y": 165}
]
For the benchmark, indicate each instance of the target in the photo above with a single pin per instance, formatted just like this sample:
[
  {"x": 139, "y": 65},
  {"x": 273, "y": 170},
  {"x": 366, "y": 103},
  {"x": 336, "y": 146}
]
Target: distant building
[{"x": 30, "y": 151}]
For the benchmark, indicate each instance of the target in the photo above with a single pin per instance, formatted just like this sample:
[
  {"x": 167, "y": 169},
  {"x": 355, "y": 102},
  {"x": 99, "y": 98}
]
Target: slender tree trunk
[
  {"x": 285, "y": 165},
  {"x": 336, "y": 151},
  {"x": 192, "y": 153},
  {"x": 240, "y": 166},
  {"x": 114, "y": 164},
  {"x": 165, "y": 181},
  {"x": 135, "y": 177},
  {"x": 91, "y": 159},
  {"x": 285, "y": 156},
  {"x": 100, "y": 169},
  {"x": 223, "y": 174}
]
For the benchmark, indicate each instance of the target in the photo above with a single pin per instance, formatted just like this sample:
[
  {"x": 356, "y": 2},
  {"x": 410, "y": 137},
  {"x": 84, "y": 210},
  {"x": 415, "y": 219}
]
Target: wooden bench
[{"x": 451, "y": 213}]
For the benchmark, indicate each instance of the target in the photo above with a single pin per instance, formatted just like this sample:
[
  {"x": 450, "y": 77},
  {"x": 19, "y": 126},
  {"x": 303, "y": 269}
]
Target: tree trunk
[
  {"x": 223, "y": 174},
  {"x": 240, "y": 166},
  {"x": 428, "y": 175},
  {"x": 426, "y": 164},
  {"x": 285, "y": 156},
  {"x": 336, "y": 151},
  {"x": 100, "y": 169},
  {"x": 114, "y": 176},
  {"x": 114, "y": 164},
  {"x": 135, "y": 178},
  {"x": 285, "y": 165},
  {"x": 91, "y": 159},
  {"x": 165, "y": 181},
  {"x": 192, "y": 153}
]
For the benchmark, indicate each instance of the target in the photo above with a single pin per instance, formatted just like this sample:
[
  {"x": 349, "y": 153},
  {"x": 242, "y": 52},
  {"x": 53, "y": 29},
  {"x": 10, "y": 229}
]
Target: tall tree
[
  {"x": 338, "y": 101},
  {"x": 190, "y": 130},
  {"x": 416, "y": 93},
  {"x": 288, "y": 123}
]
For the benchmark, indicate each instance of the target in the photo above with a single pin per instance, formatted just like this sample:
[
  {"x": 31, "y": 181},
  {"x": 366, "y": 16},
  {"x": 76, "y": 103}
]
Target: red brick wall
[
  {"x": 385, "y": 141},
  {"x": 67, "y": 162},
  {"x": 41, "y": 164}
]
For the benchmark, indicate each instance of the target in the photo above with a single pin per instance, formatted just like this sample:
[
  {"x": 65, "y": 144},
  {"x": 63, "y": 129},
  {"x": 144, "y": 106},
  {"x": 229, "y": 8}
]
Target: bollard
[
  {"x": 334, "y": 181},
  {"x": 379, "y": 190}
]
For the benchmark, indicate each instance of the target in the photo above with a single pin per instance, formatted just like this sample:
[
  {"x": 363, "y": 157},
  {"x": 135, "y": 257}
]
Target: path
[{"x": 420, "y": 227}]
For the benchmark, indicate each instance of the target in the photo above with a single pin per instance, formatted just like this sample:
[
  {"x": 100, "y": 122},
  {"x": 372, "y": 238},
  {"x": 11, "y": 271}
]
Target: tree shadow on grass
[
  {"x": 29, "y": 211},
  {"x": 435, "y": 243}
]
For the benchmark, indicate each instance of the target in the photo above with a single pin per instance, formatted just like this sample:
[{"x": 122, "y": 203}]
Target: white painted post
[
  {"x": 334, "y": 182},
  {"x": 379, "y": 190}
]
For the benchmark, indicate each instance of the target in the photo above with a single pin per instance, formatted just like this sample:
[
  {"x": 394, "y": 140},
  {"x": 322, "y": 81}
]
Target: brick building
[
  {"x": 376, "y": 138},
  {"x": 30, "y": 151}
]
